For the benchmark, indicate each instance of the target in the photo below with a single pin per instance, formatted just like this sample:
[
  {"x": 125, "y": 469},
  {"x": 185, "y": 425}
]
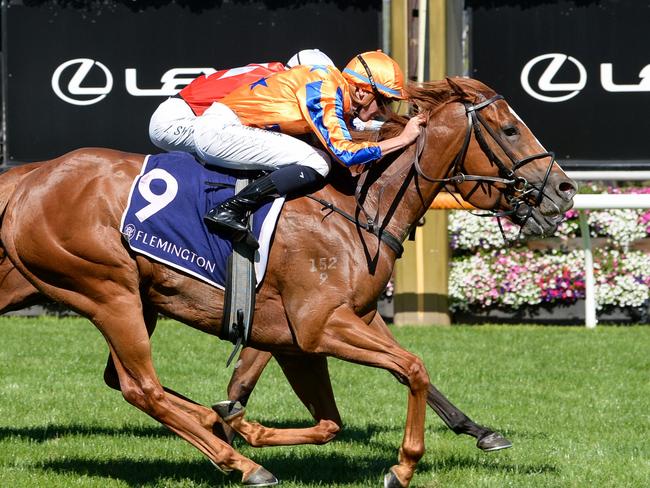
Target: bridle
[{"x": 518, "y": 190}]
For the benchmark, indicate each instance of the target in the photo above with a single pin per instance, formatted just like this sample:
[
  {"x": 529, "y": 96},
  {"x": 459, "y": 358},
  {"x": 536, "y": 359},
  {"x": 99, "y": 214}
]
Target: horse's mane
[{"x": 427, "y": 97}]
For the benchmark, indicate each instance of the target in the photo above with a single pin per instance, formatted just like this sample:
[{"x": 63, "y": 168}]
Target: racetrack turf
[{"x": 574, "y": 402}]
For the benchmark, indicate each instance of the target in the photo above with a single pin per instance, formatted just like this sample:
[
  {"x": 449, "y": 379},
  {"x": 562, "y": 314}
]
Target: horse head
[{"x": 475, "y": 142}]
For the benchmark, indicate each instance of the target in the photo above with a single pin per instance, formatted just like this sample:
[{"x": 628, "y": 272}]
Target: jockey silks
[{"x": 301, "y": 100}]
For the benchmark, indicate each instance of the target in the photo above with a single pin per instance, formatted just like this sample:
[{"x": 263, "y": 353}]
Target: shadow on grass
[
  {"x": 350, "y": 433},
  {"x": 138, "y": 473},
  {"x": 324, "y": 469},
  {"x": 48, "y": 432},
  {"x": 483, "y": 463}
]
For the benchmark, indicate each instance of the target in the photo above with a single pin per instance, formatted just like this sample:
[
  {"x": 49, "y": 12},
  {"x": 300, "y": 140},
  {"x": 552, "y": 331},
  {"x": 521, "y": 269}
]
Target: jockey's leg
[
  {"x": 220, "y": 139},
  {"x": 172, "y": 126},
  {"x": 231, "y": 215}
]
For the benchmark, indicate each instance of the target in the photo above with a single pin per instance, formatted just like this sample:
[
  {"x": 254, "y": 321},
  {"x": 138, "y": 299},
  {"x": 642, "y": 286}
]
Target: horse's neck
[
  {"x": 402, "y": 196},
  {"x": 391, "y": 191}
]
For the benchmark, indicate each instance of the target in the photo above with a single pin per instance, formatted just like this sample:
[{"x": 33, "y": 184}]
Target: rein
[{"x": 391, "y": 241}]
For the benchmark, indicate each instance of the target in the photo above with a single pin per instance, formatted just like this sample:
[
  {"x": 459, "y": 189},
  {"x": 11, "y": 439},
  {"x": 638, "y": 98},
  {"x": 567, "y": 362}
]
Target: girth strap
[{"x": 239, "y": 298}]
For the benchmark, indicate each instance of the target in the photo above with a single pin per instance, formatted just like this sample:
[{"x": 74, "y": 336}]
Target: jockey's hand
[
  {"x": 411, "y": 130},
  {"x": 409, "y": 134}
]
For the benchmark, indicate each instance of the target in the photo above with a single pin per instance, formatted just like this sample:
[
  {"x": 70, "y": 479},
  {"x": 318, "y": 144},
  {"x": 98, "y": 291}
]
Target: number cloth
[{"x": 164, "y": 217}]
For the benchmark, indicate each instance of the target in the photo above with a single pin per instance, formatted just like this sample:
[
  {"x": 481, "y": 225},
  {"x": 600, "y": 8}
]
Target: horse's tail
[{"x": 9, "y": 179}]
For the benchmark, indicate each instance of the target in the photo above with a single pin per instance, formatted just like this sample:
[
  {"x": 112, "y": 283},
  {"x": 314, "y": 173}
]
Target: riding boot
[{"x": 231, "y": 216}]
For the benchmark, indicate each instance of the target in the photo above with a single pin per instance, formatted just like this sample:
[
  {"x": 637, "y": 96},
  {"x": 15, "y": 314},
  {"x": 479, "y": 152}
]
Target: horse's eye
[{"x": 510, "y": 131}]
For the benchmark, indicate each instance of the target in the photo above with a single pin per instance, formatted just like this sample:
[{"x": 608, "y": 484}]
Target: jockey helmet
[
  {"x": 309, "y": 57},
  {"x": 376, "y": 72}
]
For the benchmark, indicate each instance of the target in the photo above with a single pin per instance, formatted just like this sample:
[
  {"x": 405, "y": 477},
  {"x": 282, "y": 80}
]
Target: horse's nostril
[{"x": 568, "y": 188}]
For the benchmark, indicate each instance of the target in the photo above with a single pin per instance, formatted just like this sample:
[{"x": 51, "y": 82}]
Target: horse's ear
[{"x": 457, "y": 89}]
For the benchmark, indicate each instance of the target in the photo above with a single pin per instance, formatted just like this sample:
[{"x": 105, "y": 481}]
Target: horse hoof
[
  {"x": 391, "y": 481},
  {"x": 228, "y": 410},
  {"x": 493, "y": 442},
  {"x": 261, "y": 477}
]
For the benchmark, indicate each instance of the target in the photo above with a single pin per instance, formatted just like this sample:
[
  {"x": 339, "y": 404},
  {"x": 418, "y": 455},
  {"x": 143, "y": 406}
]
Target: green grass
[{"x": 575, "y": 403}]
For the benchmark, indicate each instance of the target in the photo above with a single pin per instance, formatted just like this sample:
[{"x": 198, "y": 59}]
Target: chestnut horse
[
  {"x": 310, "y": 380},
  {"x": 61, "y": 232}
]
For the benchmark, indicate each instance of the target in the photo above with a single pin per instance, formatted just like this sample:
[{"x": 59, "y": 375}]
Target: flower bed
[{"x": 485, "y": 274}]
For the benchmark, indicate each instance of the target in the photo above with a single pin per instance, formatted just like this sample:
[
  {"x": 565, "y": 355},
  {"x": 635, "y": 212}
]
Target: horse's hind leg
[
  {"x": 247, "y": 372},
  {"x": 207, "y": 417},
  {"x": 111, "y": 377},
  {"x": 456, "y": 420},
  {"x": 309, "y": 378},
  {"x": 16, "y": 292},
  {"x": 130, "y": 348}
]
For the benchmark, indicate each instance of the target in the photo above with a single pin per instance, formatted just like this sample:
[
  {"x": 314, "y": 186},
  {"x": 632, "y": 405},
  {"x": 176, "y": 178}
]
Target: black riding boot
[{"x": 231, "y": 216}]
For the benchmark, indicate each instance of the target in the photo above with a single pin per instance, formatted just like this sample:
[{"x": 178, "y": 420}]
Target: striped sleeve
[{"x": 322, "y": 107}]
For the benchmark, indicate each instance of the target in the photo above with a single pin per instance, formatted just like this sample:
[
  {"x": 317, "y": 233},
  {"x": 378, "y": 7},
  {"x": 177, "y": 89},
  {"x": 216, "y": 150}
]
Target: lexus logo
[
  {"x": 172, "y": 81},
  {"x": 545, "y": 83},
  {"x": 75, "y": 93},
  {"x": 546, "y": 90}
]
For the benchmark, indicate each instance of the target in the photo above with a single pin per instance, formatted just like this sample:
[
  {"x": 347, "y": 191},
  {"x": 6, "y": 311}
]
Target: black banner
[
  {"x": 578, "y": 73},
  {"x": 93, "y": 77}
]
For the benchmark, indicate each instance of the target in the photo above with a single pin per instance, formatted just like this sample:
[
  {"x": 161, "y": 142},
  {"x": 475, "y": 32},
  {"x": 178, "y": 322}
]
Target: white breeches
[
  {"x": 171, "y": 127},
  {"x": 219, "y": 138}
]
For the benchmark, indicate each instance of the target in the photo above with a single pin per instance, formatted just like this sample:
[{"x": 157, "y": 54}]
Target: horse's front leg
[{"x": 345, "y": 336}]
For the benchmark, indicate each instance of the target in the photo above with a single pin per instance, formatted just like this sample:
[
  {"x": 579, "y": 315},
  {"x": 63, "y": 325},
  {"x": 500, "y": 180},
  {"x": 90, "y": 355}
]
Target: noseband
[{"x": 518, "y": 190}]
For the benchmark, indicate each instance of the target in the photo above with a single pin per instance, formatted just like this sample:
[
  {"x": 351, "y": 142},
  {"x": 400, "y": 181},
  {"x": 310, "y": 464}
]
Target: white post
[
  {"x": 590, "y": 282},
  {"x": 422, "y": 37}
]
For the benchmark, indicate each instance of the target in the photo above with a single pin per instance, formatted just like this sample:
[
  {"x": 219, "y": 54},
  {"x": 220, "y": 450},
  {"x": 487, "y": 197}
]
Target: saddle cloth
[{"x": 164, "y": 217}]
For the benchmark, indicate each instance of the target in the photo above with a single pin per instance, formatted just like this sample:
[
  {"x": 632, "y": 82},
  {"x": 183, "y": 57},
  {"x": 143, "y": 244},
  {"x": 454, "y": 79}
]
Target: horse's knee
[
  {"x": 418, "y": 377},
  {"x": 147, "y": 396}
]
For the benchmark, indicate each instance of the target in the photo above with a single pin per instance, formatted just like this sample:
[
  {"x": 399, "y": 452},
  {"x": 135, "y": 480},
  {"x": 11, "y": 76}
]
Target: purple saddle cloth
[{"x": 164, "y": 217}]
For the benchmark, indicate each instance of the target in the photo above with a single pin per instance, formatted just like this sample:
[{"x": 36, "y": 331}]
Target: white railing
[{"x": 600, "y": 202}]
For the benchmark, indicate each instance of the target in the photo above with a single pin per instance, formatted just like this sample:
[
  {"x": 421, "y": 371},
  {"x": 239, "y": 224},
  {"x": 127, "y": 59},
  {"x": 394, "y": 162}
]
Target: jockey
[
  {"x": 251, "y": 128},
  {"x": 172, "y": 125}
]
